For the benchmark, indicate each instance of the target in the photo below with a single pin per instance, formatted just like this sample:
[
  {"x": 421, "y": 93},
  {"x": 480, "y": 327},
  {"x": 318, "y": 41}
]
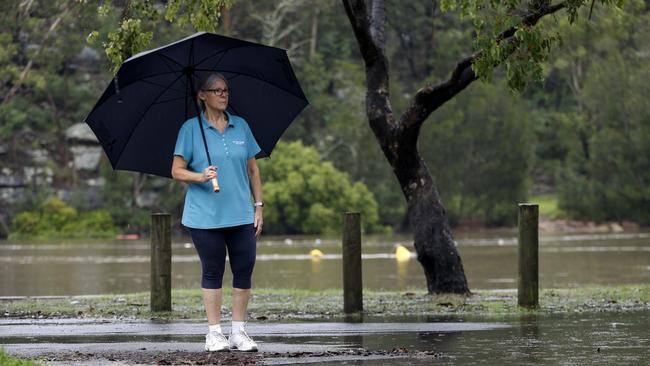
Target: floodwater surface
[
  {"x": 489, "y": 258},
  {"x": 607, "y": 338}
]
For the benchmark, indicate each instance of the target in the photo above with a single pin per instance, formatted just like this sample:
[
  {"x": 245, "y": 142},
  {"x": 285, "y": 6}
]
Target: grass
[
  {"x": 6, "y": 360},
  {"x": 282, "y": 304},
  {"x": 548, "y": 206}
]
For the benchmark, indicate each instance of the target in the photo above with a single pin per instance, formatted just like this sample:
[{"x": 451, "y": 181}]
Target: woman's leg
[
  {"x": 240, "y": 303},
  {"x": 241, "y": 251},
  {"x": 210, "y": 244},
  {"x": 212, "y": 303}
]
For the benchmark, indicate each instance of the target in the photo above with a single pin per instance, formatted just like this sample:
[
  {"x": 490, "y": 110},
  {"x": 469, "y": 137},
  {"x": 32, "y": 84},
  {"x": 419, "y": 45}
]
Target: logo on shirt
[{"x": 238, "y": 142}]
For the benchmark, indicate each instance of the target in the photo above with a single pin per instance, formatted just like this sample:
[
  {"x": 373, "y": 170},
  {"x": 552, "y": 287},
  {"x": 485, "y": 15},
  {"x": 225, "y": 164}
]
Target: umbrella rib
[
  {"x": 170, "y": 100},
  {"x": 170, "y": 59},
  {"x": 161, "y": 85},
  {"x": 140, "y": 119},
  {"x": 218, "y": 52},
  {"x": 255, "y": 77},
  {"x": 149, "y": 76}
]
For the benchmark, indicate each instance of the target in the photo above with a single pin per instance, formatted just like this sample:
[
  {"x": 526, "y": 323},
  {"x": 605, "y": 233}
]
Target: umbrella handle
[{"x": 215, "y": 184}]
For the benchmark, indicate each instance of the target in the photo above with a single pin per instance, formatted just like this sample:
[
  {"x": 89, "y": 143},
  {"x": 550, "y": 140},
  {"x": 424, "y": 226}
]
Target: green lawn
[{"x": 282, "y": 304}]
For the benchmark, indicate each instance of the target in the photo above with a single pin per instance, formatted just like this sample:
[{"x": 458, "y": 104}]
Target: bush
[
  {"x": 55, "y": 219},
  {"x": 306, "y": 195}
]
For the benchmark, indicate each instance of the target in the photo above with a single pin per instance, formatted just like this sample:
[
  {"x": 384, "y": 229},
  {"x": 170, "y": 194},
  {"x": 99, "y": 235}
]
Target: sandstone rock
[
  {"x": 39, "y": 156},
  {"x": 86, "y": 157},
  {"x": 38, "y": 175},
  {"x": 80, "y": 132}
]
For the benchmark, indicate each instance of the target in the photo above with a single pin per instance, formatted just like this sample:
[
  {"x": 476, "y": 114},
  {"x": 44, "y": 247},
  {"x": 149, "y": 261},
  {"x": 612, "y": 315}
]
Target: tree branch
[
  {"x": 23, "y": 74},
  {"x": 378, "y": 23},
  {"x": 370, "y": 37},
  {"x": 430, "y": 98}
]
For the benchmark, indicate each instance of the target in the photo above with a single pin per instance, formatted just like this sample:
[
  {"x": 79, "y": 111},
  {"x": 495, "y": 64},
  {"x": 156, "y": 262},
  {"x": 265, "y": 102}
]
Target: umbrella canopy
[{"x": 138, "y": 116}]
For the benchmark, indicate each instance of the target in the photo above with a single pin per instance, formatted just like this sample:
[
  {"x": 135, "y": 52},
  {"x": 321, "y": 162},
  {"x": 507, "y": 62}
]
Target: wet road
[{"x": 564, "y": 339}]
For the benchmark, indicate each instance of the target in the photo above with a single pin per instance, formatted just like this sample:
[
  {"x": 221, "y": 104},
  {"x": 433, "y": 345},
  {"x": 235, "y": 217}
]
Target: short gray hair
[{"x": 208, "y": 81}]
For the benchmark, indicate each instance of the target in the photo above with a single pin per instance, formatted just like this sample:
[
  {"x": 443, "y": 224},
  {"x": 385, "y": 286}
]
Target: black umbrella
[{"x": 138, "y": 117}]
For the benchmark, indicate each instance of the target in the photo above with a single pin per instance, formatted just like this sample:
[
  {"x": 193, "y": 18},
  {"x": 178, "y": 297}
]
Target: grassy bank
[
  {"x": 548, "y": 206},
  {"x": 279, "y": 304},
  {"x": 6, "y": 360}
]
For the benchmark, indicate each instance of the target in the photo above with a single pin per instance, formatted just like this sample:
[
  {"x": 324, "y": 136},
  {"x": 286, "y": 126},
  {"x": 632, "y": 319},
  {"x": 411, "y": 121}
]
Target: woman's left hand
[{"x": 259, "y": 221}]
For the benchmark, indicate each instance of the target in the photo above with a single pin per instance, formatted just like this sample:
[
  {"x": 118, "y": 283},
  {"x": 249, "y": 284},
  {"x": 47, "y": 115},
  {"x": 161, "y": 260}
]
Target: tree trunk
[
  {"x": 433, "y": 240},
  {"x": 434, "y": 243}
]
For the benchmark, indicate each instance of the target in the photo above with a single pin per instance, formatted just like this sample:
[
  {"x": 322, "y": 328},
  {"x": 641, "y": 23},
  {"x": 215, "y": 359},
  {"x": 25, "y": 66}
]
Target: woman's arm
[
  {"x": 180, "y": 172},
  {"x": 256, "y": 188}
]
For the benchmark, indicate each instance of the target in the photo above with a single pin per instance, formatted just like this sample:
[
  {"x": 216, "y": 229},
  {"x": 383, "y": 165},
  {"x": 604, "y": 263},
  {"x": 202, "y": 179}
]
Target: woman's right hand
[{"x": 209, "y": 173}]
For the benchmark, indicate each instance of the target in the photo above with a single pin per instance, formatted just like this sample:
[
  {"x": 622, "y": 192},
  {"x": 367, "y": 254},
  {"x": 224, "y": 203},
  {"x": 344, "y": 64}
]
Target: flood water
[
  {"x": 608, "y": 338},
  {"x": 489, "y": 257}
]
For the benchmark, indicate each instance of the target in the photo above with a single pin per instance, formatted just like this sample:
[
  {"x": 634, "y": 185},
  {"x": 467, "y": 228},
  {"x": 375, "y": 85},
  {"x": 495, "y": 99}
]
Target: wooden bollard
[
  {"x": 528, "y": 279},
  {"x": 161, "y": 262},
  {"x": 352, "y": 284}
]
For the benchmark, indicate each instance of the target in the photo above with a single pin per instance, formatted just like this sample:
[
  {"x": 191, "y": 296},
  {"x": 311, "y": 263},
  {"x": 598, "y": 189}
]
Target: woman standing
[{"x": 227, "y": 220}]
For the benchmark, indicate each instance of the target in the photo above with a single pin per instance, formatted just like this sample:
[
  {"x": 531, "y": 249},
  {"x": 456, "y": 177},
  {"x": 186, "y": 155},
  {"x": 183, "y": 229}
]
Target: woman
[{"x": 226, "y": 219}]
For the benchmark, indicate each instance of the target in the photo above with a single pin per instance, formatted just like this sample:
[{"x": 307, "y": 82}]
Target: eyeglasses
[{"x": 218, "y": 92}]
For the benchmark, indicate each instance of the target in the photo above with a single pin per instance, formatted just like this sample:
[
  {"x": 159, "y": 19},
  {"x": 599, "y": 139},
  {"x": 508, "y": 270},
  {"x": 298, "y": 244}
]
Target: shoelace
[
  {"x": 242, "y": 331},
  {"x": 220, "y": 336}
]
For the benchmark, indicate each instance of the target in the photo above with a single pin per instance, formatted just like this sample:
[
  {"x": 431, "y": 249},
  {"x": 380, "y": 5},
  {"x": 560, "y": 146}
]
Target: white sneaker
[
  {"x": 241, "y": 341},
  {"x": 216, "y": 342}
]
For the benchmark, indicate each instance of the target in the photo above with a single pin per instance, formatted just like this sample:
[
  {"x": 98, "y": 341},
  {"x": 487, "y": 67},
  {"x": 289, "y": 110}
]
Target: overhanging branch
[{"x": 430, "y": 98}]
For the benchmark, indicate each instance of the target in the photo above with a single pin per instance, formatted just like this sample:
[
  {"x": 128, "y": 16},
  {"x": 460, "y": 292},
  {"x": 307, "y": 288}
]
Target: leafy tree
[
  {"x": 506, "y": 34},
  {"x": 611, "y": 182}
]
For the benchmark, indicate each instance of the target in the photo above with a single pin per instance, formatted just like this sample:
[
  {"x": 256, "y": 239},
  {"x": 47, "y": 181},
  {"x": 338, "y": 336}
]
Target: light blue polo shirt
[{"x": 230, "y": 151}]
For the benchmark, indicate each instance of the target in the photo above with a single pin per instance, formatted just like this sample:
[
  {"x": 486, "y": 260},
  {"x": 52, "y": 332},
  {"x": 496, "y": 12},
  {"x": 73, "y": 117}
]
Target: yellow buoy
[
  {"x": 402, "y": 254},
  {"x": 315, "y": 253}
]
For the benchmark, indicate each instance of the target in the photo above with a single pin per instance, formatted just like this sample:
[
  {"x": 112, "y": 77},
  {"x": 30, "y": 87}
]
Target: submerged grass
[{"x": 277, "y": 304}]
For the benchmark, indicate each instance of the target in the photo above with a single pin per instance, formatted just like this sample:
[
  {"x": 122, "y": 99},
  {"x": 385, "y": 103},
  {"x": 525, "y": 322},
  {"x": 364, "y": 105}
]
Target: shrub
[
  {"x": 306, "y": 195},
  {"x": 55, "y": 219}
]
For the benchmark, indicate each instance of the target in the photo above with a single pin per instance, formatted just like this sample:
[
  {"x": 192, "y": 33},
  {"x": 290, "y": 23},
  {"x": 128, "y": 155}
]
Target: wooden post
[
  {"x": 528, "y": 279},
  {"x": 352, "y": 284},
  {"x": 161, "y": 262}
]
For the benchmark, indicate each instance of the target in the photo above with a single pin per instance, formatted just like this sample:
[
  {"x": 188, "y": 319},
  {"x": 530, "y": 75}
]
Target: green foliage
[
  {"x": 120, "y": 200},
  {"x": 523, "y": 54},
  {"x": 608, "y": 180},
  {"x": 139, "y": 18},
  {"x": 6, "y": 360},
  {"x": 548, "y": 206},
  {"x": 44, "y": 87},
  {"x": 595, "y": 140},
  {"x": 585, "y": 122},
  {"x": 55, "y": 219},
  {"x": 307, "y": 195},
  {"x": 484, "y": 154}
]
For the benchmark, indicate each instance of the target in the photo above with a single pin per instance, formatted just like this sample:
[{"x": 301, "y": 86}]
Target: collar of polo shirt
[{"x": 206, "y": 125}]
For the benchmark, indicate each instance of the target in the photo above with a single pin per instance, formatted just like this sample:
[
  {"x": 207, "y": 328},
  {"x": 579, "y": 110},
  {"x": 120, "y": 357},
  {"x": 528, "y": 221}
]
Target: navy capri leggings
[{"x": 211, "y": 245}]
